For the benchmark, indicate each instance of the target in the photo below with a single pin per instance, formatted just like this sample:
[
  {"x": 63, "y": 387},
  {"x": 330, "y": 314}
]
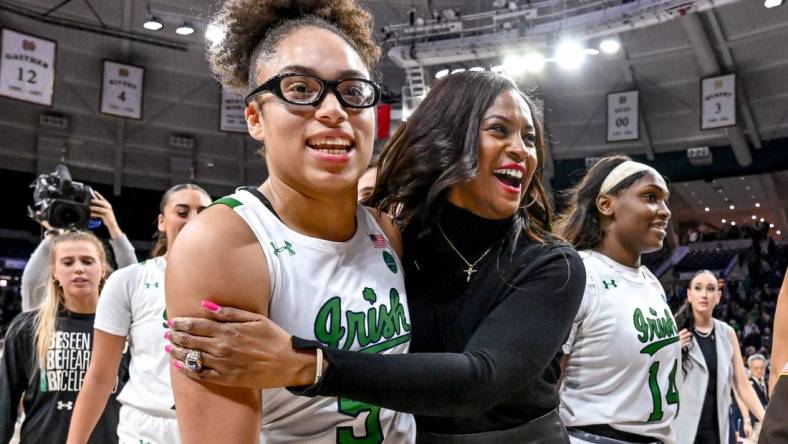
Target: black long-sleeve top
[
  {"x": 49, "y": 396},
  {"x": 484, "y": 355}
]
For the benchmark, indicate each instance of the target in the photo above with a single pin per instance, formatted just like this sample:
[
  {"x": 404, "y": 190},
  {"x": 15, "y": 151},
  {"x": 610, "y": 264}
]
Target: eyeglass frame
[{"x": 273, "y": 85}]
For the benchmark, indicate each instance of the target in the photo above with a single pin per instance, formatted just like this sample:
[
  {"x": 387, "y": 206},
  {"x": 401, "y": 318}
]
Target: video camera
[{"x": 60, "y": 201}]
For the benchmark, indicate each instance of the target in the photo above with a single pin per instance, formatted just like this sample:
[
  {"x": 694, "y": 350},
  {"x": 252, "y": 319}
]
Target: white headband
[{"x": 621, "y": 172}]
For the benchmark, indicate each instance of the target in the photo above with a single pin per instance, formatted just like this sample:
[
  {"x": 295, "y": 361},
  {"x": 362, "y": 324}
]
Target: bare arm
[
  {"x": 216, "y": 257},
  {"x": 99, "y": 381},
  {"x": 745, "y": 414},
  {"x": 780, "y": 340},
  {"x": 741, "y": 385}
]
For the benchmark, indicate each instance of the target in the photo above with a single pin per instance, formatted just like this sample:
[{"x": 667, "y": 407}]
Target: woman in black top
[
  {"x": 48, "y": 350},
  {"x": 711, "y": 358},
  {"x": 492, "y": 293}
]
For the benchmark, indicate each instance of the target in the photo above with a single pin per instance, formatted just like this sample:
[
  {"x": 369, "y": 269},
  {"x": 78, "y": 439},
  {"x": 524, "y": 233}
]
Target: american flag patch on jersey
[{"x": 378, "y": 241}]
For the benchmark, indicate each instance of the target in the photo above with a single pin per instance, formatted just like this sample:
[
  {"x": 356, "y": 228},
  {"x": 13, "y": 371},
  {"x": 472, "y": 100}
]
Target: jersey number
[
  {"x": 372, "y": 427},
  {"x": 672, "y": 397}
]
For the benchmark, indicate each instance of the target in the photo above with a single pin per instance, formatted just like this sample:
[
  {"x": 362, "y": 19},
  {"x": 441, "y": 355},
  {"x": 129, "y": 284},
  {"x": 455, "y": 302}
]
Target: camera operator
[{"x": 37, "y": 269}]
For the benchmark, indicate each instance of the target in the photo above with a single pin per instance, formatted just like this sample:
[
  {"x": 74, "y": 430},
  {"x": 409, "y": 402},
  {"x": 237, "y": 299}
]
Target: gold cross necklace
[{"x": 470, "y": 270}]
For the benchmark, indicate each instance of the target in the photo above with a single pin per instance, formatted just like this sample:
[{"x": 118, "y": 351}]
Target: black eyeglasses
[{"x": 301, "y": 89}]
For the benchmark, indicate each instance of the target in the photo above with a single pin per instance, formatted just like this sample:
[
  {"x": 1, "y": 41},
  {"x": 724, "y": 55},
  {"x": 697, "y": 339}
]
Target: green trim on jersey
[{"x": 229, "y": 201}]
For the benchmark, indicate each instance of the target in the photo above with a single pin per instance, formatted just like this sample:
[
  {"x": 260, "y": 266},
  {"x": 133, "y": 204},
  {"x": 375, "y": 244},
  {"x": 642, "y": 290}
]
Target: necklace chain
[
  {"x": 470, "y": 270},
  {"x": 705, "y": 335}
]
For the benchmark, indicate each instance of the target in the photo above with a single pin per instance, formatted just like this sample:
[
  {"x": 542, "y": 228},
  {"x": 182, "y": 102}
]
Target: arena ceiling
[{"x": 664, "y": 62}]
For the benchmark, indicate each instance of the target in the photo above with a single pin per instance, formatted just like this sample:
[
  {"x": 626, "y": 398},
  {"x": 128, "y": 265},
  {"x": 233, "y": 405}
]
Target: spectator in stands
[
  {"x": 757, "y": 365},
  {"x": 47, "y": 350},
  {"x": 36, "y": 272}
]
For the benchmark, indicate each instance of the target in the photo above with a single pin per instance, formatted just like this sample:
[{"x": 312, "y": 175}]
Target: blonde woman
[{"x": 48, "y": 350}]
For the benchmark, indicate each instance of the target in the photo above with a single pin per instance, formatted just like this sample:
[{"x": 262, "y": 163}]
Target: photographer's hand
[{"x": 102, "y": 209}]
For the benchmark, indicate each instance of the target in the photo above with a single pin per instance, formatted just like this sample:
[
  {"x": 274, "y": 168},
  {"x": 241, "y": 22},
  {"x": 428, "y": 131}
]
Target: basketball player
[{"x": 623, "y": 352}]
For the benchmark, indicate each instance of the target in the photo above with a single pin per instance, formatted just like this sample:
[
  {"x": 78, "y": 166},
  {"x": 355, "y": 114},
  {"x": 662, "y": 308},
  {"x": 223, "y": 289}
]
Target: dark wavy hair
[
  {"x": 580, "y": 224},
  {"x": 438, "y": 147},
  {"x": 686, "y": 319}
]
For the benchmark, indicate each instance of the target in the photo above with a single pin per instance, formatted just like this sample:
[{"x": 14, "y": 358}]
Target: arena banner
[
  {"x": 718, "y": 102},
  {"x": 231, "y": 112},
  {"x": 122, "y": 86},
  {"x": 27, "y": 67},
  {"x": 623, "y": 116},
  {"x": 384, "y": 121}
]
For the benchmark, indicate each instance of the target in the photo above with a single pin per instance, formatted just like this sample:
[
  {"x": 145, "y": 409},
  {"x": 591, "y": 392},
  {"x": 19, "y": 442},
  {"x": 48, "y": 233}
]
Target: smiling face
[
  {"x": 638, "y": 216},
  {"x": 507, "y": 160},
  {"x": 320, "y": 149},
  {"x": 78, "y": 268},
  {"x": 703, "y": 294}
]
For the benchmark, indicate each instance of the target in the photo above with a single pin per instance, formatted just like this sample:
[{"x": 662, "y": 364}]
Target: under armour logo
[
  {"x": 288, "y": 246},
  {"x": 65, "y": 405},
  {"x": 612, "y": 283},
  {"x": 149, "y": 285}
]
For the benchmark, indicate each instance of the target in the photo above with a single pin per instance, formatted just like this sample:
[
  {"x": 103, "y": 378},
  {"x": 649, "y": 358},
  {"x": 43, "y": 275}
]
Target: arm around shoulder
[{"x": 217, "y": 257}]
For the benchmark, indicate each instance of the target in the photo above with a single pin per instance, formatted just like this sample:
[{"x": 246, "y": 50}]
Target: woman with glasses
[
  {"x": 492, "y": 293},
  {"x": 298, "y": 248}
]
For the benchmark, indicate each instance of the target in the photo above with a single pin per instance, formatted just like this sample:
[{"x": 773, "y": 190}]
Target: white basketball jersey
[
  {"x": 623, "y": 352},
  {"x": 348, "y": 295},
  {"x": 132, "y": 304}
]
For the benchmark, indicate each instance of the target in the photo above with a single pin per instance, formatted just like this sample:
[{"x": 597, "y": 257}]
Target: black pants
[{"x": 547, "y": 429}]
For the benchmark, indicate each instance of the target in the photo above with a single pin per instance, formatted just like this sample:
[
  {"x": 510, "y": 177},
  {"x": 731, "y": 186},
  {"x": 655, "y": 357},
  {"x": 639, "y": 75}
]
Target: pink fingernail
[
  {"x": 167, "y": 334},
  {"x": 169, "y": 322},
  {"x": 167, "y": 348},
  {"x": 210, "y": 306},
  {"x": 177, "y": 364}
]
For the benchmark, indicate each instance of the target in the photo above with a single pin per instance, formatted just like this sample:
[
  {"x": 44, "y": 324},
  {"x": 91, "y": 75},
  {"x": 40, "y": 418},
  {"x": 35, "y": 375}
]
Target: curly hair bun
[{"x": 248, "y": 22}]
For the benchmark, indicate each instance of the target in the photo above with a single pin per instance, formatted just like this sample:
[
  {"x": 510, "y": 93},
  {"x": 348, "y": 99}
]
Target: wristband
[{"x": 318, "y": 365}]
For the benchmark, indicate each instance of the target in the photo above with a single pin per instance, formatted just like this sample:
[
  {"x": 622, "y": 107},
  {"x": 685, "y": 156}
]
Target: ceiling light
[
  {"x": 441, "y": 73},
  {"x": 706, "y": 209},
  {"x": 498, "y": 69},
  {"x": 457, "y": 70},
  {"x": 591, "y": 51},
  {"x": 514, "y": 65},
  {"x": 477, "y": 69},
  {"x": 184, "y": 29},
  {"x": 731, "y": 207},
  {"x": 762, "y": 219},
  {"x": 610, "y": 46},
  {"x": 733, "y": 223},
  {"x": 754, "y": 217},
  {"x": 771, "y": 225},
  {"x": 152, "y": 23},
  {"x": 570, "y": 55},
  {"x": 533, "y": 62},
  {"x": 757, "y": 205},
  {"x": 214, "y": 34},
  {"x": 3, "y": 283},
  {"x": 779, "y": 232},
  {"x": 725, "y": 221},
  {"x": 772, "y": 3}
]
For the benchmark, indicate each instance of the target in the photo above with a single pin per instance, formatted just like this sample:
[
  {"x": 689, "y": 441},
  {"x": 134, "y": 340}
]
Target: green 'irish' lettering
[{"x": 364, "y": 328}]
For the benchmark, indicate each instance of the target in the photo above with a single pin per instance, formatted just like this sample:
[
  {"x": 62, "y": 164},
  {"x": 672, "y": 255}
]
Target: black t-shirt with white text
[{"x": 49, "y": 396}]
